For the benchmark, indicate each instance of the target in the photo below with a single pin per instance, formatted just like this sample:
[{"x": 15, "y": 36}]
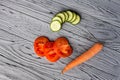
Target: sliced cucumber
[
  {"x": 70, "y": 15},
  {"x": 55, "y": 26},
  {"x": 57, "y": 18},
  {"x": 77, "y": 20},
  {"x": 66, "y": 15},
  {"x": 74, "y": 17},
  {"x": 62, "y": 16}
]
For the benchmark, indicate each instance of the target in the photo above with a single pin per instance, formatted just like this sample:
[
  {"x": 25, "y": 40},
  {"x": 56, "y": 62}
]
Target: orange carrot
[{"x": 84, "y": 57}]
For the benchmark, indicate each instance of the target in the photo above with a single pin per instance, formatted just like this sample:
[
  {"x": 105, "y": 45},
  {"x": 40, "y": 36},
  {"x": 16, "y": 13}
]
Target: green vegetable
[
  {"x": 65, "y": 16},
  {"x": 62, "y": 16},
  {"x": 74, "y": 17},
  {"x": 55, "y": 26},
  {"x": 57, "y": 18},
  {"x": 77, "y": 20},
  {"x": 70, "y": 15}
]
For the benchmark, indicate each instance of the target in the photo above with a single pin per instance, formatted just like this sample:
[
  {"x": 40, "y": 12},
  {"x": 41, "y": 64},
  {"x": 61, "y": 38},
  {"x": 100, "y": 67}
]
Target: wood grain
[{"x": 21, "y": 21}]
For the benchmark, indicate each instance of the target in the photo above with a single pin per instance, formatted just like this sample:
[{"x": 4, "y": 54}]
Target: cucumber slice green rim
[
  {"x": 57, "y": 18},
  {"x": 70, "y": 15},
  {"x": 55, "y": 26},
  {"x": 66, "y": 15},
  {"x": 62, "y": 16},
  {"x": 77, "y": 20},
  {"x": 74, "y": 17}
]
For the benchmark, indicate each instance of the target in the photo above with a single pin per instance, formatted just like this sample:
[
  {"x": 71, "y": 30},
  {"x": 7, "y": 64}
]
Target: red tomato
[
  {"x": 48, "y": 47},
  {"x": 62, "y": 47},
  {"x": 52, "y": 56},
  {"x": 39, "y": 45},
  {"x": 64, "y": 51},
  {"x": 61, "y": 41},
  {"x": 49, "y": 52}
]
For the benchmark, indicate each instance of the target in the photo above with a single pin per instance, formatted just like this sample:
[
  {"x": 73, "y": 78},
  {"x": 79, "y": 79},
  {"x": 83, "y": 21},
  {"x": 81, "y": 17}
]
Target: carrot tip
[{"x": 63, "y": 71}]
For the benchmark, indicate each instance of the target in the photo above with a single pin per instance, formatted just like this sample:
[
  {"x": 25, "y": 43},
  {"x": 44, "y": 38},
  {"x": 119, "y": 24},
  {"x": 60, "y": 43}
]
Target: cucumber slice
[
  {"x": 62, "y": 16},
  {"x": 57, "y": 18},
  {"x": 77, "y": 20},
  {"x": 70, "y": 15},
  {"x": 55, "y": 26},
  {"x": 74, "y": 17},
  {"x": 66, "y": 15}
]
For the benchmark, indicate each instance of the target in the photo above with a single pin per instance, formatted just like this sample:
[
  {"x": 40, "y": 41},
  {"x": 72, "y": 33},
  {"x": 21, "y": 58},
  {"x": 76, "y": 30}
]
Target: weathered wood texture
[{"x": 21, "y": 21}]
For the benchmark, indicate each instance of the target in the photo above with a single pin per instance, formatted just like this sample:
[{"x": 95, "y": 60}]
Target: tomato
[
  {"x": 39, "y": 45},
  {"x": 64, "y": 51},
  {"x": 49, "y": 52},
  {"x": 61, "y": 41},
  {"x": 62, "y": 47},
  {"x": 52, "y": 50},
  {"x": 52, "y": 56},
  {"x": 48, "y": 47}
]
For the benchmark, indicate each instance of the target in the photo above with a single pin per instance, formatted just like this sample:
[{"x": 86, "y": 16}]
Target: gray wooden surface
[{"x": 21, "y": 21}]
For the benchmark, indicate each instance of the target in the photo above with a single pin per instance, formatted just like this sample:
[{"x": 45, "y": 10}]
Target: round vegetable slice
[
  {"x": 77, "y": 20},
  {"x": 49, "y": 52},
  {"x": 57, "y": 18},
  {"x": 62, "y": 47},
  {"x": 74, "y": 17},
  {"x": 52, "y": 56},
  {"x": 64, "y": 51},
  {"x": 62, "y": 16},
  {"x": 66, "y": 15},
  {"x": 70, "y": 15},
  {"x": 48, "y": 47},
  {"x": 61, "y": 41},
  {"x": 55, "y": 26},
  {"x": 39, "y": 45}
]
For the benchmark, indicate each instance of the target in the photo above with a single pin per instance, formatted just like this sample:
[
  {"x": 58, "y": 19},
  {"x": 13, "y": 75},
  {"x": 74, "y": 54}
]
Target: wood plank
[
  {"x": 105, "y": 10},
  {"x": 28, "y": 25},
  {"x": 17, "y": 55},
  {"x": 22, "y": 21},
  {"x": 89, "y": 22}
]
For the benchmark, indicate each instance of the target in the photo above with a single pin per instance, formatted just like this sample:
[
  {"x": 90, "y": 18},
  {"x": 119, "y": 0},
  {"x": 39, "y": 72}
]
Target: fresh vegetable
[
  {"x": 61, "y": 41},
  {"x": 70, "y": 15},
  {"x": 62, "y": 16},
  {"x": 77, "y": 20},
  {"x": 97, "y": 47},
  {"x": 49, "y": 52},
  {"x": 57, "y": 18},
  {"x": 62, "y": 47},
  {"x": 39, "y": 45},
  {"x": 65, "y": 16},
  {"x": 74, "y": 17},
  {"x": 55, "y": 26},
  {"x": 52, "y": 56},
  {"x": 64, "y": 51},
  {"x": 48, "y": 47},
  {"x": 52, "y": 50}
]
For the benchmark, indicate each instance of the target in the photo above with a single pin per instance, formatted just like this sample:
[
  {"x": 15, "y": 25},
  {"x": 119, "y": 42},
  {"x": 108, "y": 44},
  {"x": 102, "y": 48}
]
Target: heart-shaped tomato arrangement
[{"x": 52, "y": 50}]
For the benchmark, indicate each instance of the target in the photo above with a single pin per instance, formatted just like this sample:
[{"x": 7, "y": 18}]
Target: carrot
[{"x": 84, "y": 57}]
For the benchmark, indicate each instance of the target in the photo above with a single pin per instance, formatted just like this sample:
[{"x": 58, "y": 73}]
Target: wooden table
[{"x": 21, "y": 21}]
